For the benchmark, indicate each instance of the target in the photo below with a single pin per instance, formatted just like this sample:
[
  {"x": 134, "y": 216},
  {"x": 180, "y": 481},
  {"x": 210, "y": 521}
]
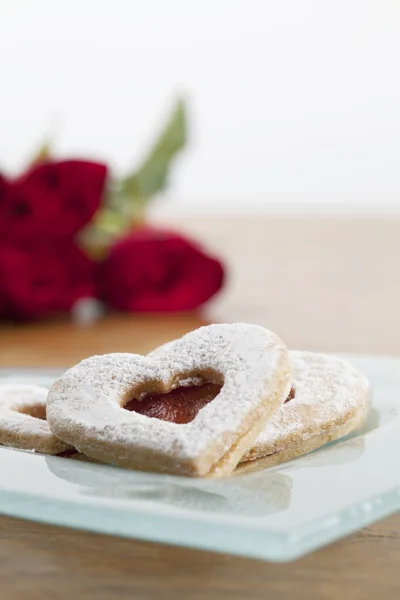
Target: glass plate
[{"x": 277, "y": 514}]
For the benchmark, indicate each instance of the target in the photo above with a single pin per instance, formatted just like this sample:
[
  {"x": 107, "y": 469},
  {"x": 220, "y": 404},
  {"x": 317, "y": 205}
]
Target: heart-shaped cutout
[
  {"x": 23, "y": 419},
  {"x": 85, "y": 406},
  {"x": 328, "y": 400},
  {"x": 180, "y": 406}
]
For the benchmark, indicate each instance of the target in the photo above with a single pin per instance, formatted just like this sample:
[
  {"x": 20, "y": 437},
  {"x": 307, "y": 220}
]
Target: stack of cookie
[{"x": 223, "y": 399}]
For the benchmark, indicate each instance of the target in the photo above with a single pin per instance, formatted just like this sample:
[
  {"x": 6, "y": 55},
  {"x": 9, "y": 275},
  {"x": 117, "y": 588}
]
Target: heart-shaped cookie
[
  {"x": 85, "y": 406},
  {"x": 23, "y": 419},
  {"x": 329, "y": 399}
]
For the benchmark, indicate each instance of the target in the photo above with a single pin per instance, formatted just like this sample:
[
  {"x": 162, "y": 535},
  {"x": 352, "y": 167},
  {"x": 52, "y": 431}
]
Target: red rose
[
  {"x": 53, "y": 199},
  {"x": 4, "y": 191},
  {"x": 42, "y": 278},
  {"x": 3, "y": 302},
  {"x": 158, "y": 271}
]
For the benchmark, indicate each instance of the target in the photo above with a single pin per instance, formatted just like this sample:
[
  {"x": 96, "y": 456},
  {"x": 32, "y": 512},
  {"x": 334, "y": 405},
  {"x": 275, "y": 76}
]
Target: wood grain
[
  {"x": 59, "y": 344},
  {"x": 321, "y": 284},
  {"x": 38, "y": 561}
]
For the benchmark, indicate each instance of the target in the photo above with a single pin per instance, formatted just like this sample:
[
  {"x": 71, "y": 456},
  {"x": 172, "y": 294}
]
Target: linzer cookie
[
  {"x": 23, "y": 420},
  {"x": 328, "y": 400},
  {"x": 245, "y": 365},
  {"x": 331, "y": 399}
]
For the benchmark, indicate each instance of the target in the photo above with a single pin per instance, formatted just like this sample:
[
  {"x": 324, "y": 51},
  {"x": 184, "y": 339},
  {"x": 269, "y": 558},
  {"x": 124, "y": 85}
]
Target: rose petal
[
  {"x": 153, "y": 270},
  {"x": 41, "y": 278},
  {"x": 53, "y": 199}
]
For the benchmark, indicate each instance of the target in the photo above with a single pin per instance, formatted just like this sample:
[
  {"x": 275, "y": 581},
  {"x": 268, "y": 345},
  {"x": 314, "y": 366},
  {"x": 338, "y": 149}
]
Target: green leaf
[
  {"x": 101, "y": 233},
  {"x": 107, "y": 225},
  {"x": 151, "y": 177},
  {"x": 125, "y": 202}
]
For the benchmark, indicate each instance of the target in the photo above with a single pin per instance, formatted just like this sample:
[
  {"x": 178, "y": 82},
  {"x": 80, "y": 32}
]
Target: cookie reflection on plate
[{"x": 251, "y": 495}]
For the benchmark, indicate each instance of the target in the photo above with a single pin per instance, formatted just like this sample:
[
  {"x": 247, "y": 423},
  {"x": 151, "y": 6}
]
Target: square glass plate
[{"x": 277, "y": 514}]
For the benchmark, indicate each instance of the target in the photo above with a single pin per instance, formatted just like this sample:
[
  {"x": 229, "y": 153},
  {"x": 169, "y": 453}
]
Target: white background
[{"x": 291, "y": 101}]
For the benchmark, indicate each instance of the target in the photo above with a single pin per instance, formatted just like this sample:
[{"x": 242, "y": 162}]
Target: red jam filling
[{"x": 180, "y": 405}]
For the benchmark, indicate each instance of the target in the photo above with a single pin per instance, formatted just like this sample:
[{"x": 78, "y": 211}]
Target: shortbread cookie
[
  {"x": 23, "y": 419},
  {"x": 329, "y": 399},
  {"x": 251, "y": 364}
]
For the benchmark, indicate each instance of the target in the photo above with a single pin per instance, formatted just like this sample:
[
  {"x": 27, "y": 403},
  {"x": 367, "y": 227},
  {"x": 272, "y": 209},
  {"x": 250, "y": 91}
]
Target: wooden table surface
[{"x": 321, "y": 285}]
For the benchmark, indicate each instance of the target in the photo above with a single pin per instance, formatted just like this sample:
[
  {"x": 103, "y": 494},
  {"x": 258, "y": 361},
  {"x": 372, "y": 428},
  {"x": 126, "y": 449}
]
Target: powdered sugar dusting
[
  {"x": 85, "y": 404},
  {"x": 19, "y": 429},
  {"x": 328, "y": 391},
  {"x": 14, "y": 397}
]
